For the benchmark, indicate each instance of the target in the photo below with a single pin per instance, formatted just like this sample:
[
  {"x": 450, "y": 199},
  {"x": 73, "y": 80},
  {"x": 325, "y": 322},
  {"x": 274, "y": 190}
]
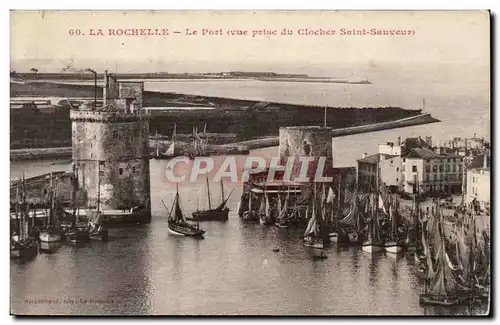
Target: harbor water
[{"x": 234, "y": 270}]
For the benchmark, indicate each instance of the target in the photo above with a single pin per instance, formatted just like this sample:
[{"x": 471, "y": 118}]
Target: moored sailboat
[
  {"x": 373, "y": 243},
  {"x": 52, "y": 232},
  {"x": 265, "y": 217},
  {"x": 26, "y": 246},
  {"x": 394, "y": 245},
  {"x": 312, "y": 234},
  {"x": 440, "y": 284},
  {"x": 177, "y": 224},
  {"x": 220, "y": 213},
  {"x": 282, "y": 219},
  {"x": 78, "y": 232}
]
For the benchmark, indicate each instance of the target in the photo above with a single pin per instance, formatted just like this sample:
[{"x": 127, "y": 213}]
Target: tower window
[{"x": 120, "y": 171}]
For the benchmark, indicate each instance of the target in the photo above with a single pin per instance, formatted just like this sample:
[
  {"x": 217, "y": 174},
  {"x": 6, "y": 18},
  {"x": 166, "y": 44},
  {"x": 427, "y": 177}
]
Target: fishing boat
[
  {"x": 394, "y": 245},
  {"x": 170, "y": 152},
  {"x": 26, "y": 246},
  {"x": 177, "y": 224},
  {"x": 312, "y": 234},
  {"x": 265, "y": 217},
  {"x": 51, "y": 232},
  {"x": 373, "y": 243},
  {"x": 78, "y": 232},
  {"x": 282, "y": 219},
  {"x": 249, "y": 214},
  {"x": 440, "y": 286},
  {"x": 220, "y": 213}
]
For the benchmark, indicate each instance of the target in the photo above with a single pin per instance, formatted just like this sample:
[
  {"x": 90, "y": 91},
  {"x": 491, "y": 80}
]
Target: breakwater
[
  {"x": 241, "y": 147},
  {"x": 33, "y": 127}
]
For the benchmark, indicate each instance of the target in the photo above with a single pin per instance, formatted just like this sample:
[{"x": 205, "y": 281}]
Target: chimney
[
  {"x": 364, "y": 155},
  {"x": 399, "y": 141},
  {"x": 485, "y": 160}
]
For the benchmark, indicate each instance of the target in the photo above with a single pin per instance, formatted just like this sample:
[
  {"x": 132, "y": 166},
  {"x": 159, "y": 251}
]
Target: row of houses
[{"x": 415, "y": 166}]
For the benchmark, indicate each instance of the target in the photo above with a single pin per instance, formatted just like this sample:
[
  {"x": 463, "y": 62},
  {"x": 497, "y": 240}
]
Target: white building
[
  {"x": 388, "y": 161},
  {"x": 426, "y": 171},
  {"x": 478, "y": 185}
]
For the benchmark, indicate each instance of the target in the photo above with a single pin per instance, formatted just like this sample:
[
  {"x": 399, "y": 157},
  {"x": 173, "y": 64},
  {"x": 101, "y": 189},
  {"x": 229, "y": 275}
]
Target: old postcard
[{"x": 250, "y": 163}]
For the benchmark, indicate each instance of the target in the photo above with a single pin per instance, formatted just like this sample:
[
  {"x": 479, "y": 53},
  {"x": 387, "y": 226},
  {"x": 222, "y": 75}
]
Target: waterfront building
[
  {"x": 478, "y": 183},
  {"x": 426, "y": 171},
  {"x": 110, "y": 148}
]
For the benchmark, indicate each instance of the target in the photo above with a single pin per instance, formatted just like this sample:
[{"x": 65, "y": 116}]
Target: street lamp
[{"x": 95, "y": 86}]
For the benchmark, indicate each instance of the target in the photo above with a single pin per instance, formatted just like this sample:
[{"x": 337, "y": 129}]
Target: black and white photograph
[{"x": 250, "y": 163}]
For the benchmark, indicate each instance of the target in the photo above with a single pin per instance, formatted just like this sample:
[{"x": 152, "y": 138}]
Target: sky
[{"x": 42, "y": 40}]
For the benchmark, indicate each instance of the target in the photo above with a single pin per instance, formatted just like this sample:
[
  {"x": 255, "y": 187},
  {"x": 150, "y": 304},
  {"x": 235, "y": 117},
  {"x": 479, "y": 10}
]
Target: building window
[
  {"x": 435, "y": 168},
  {"x": 414, "y": 168},
  {"x": 44, "y": 191},
  {"x": 441, "y": 168},
  {"x": 473, "y": 179},
  {"x": 404, "y": 159},
  {"x": 397, "y": 179},
  {"x": 133, "y": 169},
  {"x": 397, "y": 169},
  {"x": 120, "y": 171},
  {"x": 392, "y": 161}
]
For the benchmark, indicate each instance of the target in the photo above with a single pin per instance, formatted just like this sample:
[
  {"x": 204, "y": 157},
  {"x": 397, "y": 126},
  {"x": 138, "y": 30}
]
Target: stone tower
[
  {"x": 311, "y": 141},
  {"x": 111, "y": 148}
]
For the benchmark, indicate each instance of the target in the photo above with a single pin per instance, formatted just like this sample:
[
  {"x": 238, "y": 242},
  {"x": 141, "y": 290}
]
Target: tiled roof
[
  {"x": 373, "y": 159},
  {"x": 424, "y": 153}
]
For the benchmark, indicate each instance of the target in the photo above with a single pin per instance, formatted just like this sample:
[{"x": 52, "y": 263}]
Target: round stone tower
[
  {"x": 111, "y": 149},
  {"x": 311, "y": 141}
]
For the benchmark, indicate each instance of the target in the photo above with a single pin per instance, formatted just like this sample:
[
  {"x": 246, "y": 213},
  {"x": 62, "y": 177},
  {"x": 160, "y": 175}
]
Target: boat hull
[
  {"x": 78, "y": 236},
  {"x": 100, "y": 235},
  {"x": 187, "y": 231},
  {"x": 371, "y": 248},
  {"x": 210, "y": 215},
  {"x": 265, "y": 221},
  {"x": 426, "y": 299},
  {"x": 24, "y": 251},
  {"x": 313, "y": 243},
  {"x": 47, "y": 237},
  {"x": 393, "y": 248}
]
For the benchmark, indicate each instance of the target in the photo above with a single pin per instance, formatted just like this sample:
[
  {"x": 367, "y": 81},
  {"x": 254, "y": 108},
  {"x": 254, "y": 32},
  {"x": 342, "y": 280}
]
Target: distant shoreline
[{"x": 27, "y": 77}]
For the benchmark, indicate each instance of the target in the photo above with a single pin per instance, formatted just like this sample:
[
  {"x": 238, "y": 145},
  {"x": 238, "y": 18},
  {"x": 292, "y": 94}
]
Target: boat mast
[
  {"x": 222, "y": 198},
  {"x": 208, "y": 193}
]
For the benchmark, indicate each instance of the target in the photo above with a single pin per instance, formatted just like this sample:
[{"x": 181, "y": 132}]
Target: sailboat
[
  {"x": 312, "y": 234},
  {"x": 282, "y": 219},
  {"x": 25, "y": 246},
  {"x": 97, "y": 229},
  {"x": 440, "y": 284},
  {"x": 51, "y": 233},
  {"x": 373, "y": 243},
  {"x": 394, "y": 245},
  {"x": 250, "y": 214},
  {"x": 220, "y": 213},
  {"x": 78, "y": 232},
  {"x": 177, "y": 224},
  {"x": 170, "y": 152},
  {"x": 265, "y": 210}
]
